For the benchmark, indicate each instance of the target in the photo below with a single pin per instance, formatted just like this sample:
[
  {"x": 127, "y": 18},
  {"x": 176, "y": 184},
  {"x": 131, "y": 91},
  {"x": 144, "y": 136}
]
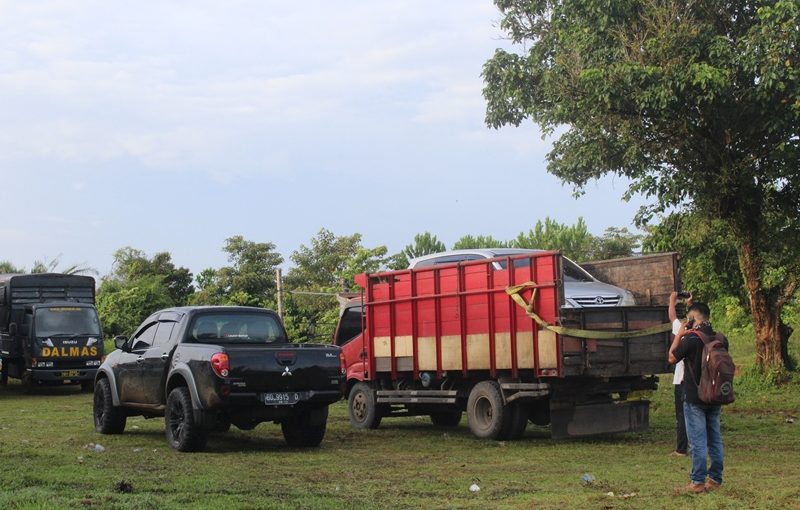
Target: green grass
[{"x": 407, "y": 463}]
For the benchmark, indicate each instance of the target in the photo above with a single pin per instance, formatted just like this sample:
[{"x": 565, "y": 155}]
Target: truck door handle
[
  {"x": 165, "y": 356},
  {"x": 140, "y": 359},
  {"x": 363, "y": 355}
]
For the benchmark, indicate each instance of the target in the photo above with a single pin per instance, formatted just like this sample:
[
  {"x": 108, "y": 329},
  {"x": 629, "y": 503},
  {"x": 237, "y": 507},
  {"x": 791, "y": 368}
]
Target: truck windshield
[
  {"x": 66, "y": 320},
  {"x": 237, "y": 328}
]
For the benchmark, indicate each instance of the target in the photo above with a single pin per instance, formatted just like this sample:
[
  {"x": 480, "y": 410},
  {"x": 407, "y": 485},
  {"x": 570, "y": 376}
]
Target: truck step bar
[{"x": 416, "y": 396}]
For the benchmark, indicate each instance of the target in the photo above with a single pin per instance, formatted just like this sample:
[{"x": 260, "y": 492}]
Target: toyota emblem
[{"x": 599, "y": 300}]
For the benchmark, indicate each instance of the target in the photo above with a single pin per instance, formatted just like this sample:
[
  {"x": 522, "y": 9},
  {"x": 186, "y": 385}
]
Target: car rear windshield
[{"x": 242, "y": 328}]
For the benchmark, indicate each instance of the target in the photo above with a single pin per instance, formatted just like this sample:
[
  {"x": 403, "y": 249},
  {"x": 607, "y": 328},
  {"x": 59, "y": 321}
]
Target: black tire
[
  {"x": 486, "y": 412},
  {"x": 306, "y": 428},
  {"x": 222, "y": 425},
  {"x": 446, "y": 418},
  {"x": 107, "y": 418},
  {"x": 183, "y": 434},
  {"x": 87, "y": 386},
  {"x": 362, "y": 408},
  {"x": 539, "y": 412},
  {"x": 516, "y": 421}
]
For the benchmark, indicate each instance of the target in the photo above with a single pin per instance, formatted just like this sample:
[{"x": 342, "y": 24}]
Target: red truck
[{"x": 446, "y": 339}]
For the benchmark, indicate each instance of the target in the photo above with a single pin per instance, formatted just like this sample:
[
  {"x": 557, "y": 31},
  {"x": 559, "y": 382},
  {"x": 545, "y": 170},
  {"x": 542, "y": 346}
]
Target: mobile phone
[{"x": 684, "y": 295}]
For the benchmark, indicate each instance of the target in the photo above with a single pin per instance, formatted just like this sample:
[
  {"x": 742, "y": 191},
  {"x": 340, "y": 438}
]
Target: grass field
[{"x": 46, "y": 462}]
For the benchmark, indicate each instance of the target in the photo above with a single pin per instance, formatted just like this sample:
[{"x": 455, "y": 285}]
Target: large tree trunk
[{"x": 772, "y": 336}]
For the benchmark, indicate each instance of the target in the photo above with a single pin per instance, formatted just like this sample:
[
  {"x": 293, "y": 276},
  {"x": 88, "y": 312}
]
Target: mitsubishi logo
[
  {"x": 286, "y": 372},
  {"x": 599, "y": 300}
]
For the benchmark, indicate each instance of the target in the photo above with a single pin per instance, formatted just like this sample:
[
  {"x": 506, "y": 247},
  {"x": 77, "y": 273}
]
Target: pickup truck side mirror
[
  {"x": 120, "y": 342},
  {"x": 12, "y": 330}
]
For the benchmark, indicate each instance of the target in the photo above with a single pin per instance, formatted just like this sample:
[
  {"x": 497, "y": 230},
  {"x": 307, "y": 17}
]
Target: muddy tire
[
  {"x": 362, "y": 407},
  {"x": 107, "y": 418},
  {"x": 306, "y": 428},
  {"x": 446, "y": 418},
  {"x": 486, "y": 412},
  {"x": 183, "y": 434},
  {"x": 516, "y": 421}
]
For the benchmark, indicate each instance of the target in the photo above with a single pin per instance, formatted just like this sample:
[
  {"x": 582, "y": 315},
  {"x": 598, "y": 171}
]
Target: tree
[
  {"x": 138, "y": 286},
  {"x": 249, "y": 280},
  {"x": 322, "y": 270},
  {"x": 468, "y": 241},
  {"x": 574, "y": 241},
  {"x": 615, "y": 243},
  {"x": 424, "y": 244},
  {"x": 697, "y": 103},
  {"x": 7, "y": 267}
]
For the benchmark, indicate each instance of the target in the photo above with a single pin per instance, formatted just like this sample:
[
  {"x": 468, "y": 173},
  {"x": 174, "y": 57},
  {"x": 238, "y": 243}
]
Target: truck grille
[{"x": 605, "y": 300}]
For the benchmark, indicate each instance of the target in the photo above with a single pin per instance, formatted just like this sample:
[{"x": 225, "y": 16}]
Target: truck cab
[{"x": 50, "y": 332}]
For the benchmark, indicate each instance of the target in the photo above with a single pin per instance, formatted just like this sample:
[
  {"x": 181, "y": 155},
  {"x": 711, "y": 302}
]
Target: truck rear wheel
[
  {"x": 183, "y": 434},
  {"x": 446, "y": 418},
  {"x": 305, "y": 429},
  {"x": 107, "y": 418},
  {"x": 486, "y": 412},
  {"x": 516, "y": 421},
  {"x": 363, "y": 408}
]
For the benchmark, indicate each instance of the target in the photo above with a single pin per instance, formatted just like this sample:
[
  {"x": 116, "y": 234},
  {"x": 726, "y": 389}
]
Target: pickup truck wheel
[
  {"x": 485, "y": 410},
  {"x": 306, "y": 428},
  {"x": 183, "y": 434},
  {"x": 107, "y": 418},
  {"x": 362, "y": 407},
  {"x": 446, "y": 418}
]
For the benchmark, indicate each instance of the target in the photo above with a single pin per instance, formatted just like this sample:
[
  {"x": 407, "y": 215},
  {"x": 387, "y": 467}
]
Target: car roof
[{"x": 482, "y": 252}]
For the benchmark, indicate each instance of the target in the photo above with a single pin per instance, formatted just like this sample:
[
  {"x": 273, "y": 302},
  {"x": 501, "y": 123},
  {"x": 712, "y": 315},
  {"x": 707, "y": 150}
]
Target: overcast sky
[{"x": 170, "y": 126}]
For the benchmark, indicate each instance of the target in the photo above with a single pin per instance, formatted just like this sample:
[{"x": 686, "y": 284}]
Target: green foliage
[
  {"x": 615, "y": 243},
  {"x": 574, "y": 241},
  {"x": 709, "y": 259},
  {"x": 696, "y": 103},
  {"x": 124, "y": 304},
  {"x": 8, "y": 267},
  {"x": 481, "y": 241},
  {"x": 138, "y": 286},
  {"x": 51, "y": 266},
  {"x": 248, "y": 281},
  {"x": 328, "y": 265}
]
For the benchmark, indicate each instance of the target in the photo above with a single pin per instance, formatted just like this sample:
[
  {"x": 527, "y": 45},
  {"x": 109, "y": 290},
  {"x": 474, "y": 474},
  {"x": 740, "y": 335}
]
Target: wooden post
[{"x": 279, "y": 285}]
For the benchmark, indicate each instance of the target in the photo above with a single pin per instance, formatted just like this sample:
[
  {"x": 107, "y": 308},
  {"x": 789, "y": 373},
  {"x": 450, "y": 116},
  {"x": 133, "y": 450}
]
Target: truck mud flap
[{"x": 568, "y": 420}]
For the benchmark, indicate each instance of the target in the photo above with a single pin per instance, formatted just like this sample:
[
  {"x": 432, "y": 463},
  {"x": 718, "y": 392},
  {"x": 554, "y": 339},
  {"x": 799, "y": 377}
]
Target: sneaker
[
  {"x": 711, "y": 485},
  {"x": 676, "y": 453}
]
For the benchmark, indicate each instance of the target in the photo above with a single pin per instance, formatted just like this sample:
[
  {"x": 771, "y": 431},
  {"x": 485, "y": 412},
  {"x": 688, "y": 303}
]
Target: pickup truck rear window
[{"x": 238, "y": 328}]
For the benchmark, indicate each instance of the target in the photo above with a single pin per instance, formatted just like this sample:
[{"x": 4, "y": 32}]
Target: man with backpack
[{"x": 707, "y": 384}]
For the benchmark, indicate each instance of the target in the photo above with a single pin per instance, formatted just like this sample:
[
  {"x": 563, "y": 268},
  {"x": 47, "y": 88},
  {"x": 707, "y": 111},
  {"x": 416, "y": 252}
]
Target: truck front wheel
[
  {"x": 183, "y": 434},
  {"x": 107, "y": 418},
  {"x": 305, "y": 429},
  {"x": 486, "y": 412},
  {"x": 362, "y": 407}
]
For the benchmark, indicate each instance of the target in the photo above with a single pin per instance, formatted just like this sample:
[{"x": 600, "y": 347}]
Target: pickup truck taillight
[
  {"x": 342, "y": 364},
  {"x": 220, "y": 364}
]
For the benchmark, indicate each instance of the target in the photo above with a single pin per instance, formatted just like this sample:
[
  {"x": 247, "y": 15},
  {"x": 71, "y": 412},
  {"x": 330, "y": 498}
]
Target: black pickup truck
[{"x": 205, "y": 368}]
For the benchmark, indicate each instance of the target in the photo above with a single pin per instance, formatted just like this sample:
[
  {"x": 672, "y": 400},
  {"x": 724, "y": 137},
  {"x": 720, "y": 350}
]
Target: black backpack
[{"x": 716, "y": 375}]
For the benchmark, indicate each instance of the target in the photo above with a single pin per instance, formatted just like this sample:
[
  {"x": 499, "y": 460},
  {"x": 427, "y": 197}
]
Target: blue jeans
[{"x": 702, "y": 427}]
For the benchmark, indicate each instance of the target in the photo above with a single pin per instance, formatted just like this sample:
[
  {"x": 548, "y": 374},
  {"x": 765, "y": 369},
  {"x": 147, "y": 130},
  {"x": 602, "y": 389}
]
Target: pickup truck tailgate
[{"x": 284, "y": 367}]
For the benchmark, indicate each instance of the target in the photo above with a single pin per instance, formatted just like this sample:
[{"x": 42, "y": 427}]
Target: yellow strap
[{"x": 514, "y": 293}]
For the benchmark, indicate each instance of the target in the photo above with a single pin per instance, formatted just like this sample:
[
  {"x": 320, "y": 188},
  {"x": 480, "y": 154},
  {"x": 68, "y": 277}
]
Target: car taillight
[
  {"x": 220, "y": 364},
  {"x": 342, "y": 364}
]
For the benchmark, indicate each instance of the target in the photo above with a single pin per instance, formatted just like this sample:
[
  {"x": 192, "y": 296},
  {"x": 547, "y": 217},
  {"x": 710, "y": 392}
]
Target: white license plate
[{"x": 283, "y": 398}]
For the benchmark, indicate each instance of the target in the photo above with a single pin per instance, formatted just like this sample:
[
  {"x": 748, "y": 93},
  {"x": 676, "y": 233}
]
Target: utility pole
[{"x": 279, "y": 285}]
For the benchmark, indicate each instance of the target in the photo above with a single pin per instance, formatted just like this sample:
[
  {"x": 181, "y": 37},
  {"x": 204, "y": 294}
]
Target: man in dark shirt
[{"x": 702, "y": 420}]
